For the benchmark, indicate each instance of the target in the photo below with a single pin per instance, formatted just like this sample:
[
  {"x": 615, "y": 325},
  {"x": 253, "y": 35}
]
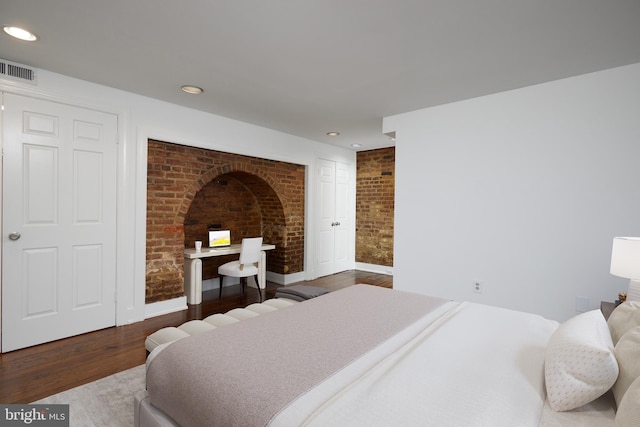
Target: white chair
[{"x": 246, "y": 266}]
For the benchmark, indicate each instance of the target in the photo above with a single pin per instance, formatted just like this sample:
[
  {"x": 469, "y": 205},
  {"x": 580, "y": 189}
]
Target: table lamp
[{"x": 625, "y": 262}]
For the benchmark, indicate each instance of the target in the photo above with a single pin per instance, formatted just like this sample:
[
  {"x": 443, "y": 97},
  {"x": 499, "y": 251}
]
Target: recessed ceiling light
[
  {"x": 356, "y": 145},
  {"x": 20, "y": 33},
  {"x": 333, "y": 133},
  {"x": 194, "y": 90}
]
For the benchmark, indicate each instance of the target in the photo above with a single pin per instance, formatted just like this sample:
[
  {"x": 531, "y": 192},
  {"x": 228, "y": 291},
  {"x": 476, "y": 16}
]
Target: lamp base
[{"x": 633, "y": 294}]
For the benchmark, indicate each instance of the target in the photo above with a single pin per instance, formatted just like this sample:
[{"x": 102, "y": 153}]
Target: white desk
[{"x": 193, "y": 268}]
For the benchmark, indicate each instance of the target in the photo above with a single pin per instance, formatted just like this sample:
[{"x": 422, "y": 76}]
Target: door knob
[{"x": 14, "y": 236}]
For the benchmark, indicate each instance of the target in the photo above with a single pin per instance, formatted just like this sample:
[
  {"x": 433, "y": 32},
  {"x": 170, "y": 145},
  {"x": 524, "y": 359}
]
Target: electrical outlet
[{"x": 477, "y": 287}]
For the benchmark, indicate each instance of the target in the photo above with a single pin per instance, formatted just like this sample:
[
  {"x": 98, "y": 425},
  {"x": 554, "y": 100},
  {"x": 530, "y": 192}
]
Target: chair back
[{"x": 250, "y": 250}]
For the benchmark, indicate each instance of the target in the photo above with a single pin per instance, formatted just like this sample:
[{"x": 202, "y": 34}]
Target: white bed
[{"x": 367, "y": 356}]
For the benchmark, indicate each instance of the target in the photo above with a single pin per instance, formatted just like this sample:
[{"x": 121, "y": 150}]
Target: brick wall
[
  {"x": 375, "y": 206},
  {"x": 189, "y": 189}
]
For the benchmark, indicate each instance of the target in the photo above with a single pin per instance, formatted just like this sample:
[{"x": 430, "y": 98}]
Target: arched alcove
[
  {"x": 243, "y": 203},
  {"x": 271, "y": 204}
]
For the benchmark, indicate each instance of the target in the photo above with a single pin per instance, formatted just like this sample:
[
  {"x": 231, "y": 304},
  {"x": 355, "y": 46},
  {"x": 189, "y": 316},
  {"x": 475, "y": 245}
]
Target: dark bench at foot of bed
[{"x": 300, "y": 292}]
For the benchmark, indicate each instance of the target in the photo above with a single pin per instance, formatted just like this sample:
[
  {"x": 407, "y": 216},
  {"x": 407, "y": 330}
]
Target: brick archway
[
  {"x": 245, "y": 204},
  {"x": 240, "y": 170},
  {"x": 177, "y": 174}
]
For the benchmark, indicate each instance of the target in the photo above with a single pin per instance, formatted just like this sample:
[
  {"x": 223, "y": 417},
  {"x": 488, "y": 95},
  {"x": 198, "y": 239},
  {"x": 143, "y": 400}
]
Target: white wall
[
  {"x": 523, "y": 190},
  {"x": 141, "y": 118}
]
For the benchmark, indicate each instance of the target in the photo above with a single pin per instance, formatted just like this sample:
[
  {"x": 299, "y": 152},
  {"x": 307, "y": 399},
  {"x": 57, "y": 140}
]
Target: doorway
[{"x": 59, "y": 221}]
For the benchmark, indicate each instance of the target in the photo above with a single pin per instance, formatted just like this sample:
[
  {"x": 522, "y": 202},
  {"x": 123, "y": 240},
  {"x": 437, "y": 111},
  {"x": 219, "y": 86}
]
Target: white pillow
[
  {"x": 628, "y": 414},
  {"x": 627, "y": 353},
  {"x": 624, "y": 317},
  {"x": 579, "y": 362}
]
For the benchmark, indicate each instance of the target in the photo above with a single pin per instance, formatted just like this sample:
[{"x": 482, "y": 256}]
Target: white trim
[
  {"x": 140, "y": 224},
  {"x": 165, "y": 307},
  {"x": 126, "y": 304},
  {"x": 285, "y": 279},
  {"x": 374, "y": 268},
  {"x": 277, "y": 278}
]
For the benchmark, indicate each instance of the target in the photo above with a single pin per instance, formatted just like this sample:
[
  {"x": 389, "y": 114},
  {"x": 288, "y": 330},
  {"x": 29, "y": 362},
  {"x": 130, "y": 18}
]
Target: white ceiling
[{"x": 307, "y": 67}]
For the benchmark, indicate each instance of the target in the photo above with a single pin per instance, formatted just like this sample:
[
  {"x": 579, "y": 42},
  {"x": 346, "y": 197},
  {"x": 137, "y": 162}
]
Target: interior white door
[
  {"x": 342, "y": 227},
  {"x": 333, "y": 229},
  {"x": 326, "y": 225},
  {"x": 58, "y": 221}
]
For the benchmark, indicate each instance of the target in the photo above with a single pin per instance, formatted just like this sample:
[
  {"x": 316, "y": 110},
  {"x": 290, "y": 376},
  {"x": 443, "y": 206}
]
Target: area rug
[{"x": 107, "y": 402}]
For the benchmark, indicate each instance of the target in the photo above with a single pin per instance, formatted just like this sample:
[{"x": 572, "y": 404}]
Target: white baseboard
[
  {"x": 210, "y": 284},
  {"x": 285, "y": 279},
  {"x": 277, "y": 278},
  {"x": 165, "y": 307},
  {"x": 374, "y": 268}
]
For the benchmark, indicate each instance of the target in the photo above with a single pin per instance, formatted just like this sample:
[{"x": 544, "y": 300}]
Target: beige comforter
[{"x": 246, "y": 373}]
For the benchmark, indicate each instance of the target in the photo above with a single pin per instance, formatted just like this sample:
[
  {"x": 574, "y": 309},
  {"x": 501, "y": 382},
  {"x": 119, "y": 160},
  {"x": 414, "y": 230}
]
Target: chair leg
[
  {"x": 243, "y": 283},
  {"x": 220, "y": 291},
  {"x": 258, "y": 286}
]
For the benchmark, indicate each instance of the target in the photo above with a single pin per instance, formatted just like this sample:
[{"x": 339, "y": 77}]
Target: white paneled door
[
  {"x": 58, "y": 221},
  {"x": 333, "y": 230}
]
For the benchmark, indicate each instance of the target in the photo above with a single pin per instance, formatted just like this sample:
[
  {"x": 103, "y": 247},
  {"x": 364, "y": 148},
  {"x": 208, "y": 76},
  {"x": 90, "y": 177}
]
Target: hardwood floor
[{"x": 33, "y": 373}]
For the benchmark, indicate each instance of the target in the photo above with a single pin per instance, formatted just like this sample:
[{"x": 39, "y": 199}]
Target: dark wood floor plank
[{"x": 33, "y": 373}]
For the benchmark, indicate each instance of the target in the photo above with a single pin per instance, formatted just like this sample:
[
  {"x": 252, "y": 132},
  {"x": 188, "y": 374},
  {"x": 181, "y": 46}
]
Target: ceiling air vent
[{"x": 17, "y": 72}]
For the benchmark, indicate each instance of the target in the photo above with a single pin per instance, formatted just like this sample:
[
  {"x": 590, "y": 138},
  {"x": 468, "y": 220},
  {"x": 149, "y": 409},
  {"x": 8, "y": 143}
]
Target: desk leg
[
  {"x": 262, "y": 271},
  {"x": 193, "y": 280}
]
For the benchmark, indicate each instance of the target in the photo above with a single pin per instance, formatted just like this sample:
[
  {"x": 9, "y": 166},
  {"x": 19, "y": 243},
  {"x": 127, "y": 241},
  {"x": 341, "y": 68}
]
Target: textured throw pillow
[
  {"x": 627, "y": 353},
  {"x": 624, "y": 317},
  {"x": 579, "y": 364},
  {"x": 628, "y": 414}
]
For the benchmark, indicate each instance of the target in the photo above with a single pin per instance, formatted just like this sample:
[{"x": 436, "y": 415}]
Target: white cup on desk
[{"x": 198, "y": 245}]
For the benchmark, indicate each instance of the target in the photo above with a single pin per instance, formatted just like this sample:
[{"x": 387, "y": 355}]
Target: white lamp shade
[{"x": 625, "y": 257}]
